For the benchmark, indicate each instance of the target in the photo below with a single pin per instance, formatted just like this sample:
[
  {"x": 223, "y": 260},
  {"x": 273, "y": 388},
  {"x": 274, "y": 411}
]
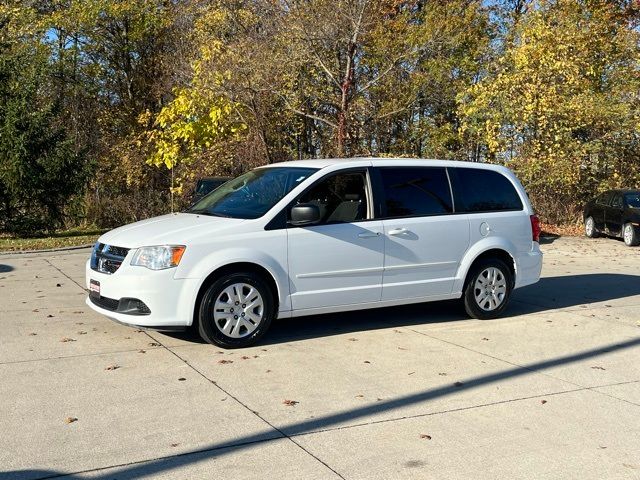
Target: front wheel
[
  {"x": 630, "y": 235},
  {"x": 488, "y": 289},
  {"x": 590, "y": 228},
  {"x": 236, "y": 310}
]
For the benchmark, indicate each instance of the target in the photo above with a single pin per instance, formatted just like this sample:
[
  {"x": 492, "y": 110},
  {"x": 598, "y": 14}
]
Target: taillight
[{"x": 536, "y": 230}]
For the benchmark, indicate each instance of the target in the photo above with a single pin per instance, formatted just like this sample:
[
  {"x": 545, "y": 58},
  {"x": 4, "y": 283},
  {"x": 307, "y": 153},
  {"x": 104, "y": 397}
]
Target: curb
[{"x": 47, "y": 250}]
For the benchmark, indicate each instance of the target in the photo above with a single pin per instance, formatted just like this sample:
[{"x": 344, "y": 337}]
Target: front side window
[
  {"x": 479, "y": 190},
  {"x": 253, "y": 194},
  {"x": 341, "y": 198},
  {"x": 633, "y": 200},
  {"x": 604, "y": 198},
  {"x": 617, "y": 201},
  {"x": 415, "y": 191}
]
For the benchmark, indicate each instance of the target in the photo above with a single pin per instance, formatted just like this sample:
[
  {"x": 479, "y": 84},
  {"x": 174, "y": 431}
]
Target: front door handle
[
  {"x": 398, "y": 231},
  {"x": 368, "y": 234}
]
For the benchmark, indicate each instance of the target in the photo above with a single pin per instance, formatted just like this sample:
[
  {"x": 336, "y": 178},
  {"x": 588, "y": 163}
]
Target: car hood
[{"x": 172, "y": 229}]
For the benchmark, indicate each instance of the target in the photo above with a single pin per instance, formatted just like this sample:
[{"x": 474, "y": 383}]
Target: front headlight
[{"x": 158, "y": 258}]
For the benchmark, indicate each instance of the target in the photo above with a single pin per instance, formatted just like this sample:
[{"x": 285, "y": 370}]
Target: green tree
[
  {"x": 40, "y": 171},
  {"x": 560, "y": 105}
]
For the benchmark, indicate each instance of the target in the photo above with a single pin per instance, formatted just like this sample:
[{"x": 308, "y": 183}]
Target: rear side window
[
  {"x": 415, "y": 191},
  {"x": 479, "y": 190}
]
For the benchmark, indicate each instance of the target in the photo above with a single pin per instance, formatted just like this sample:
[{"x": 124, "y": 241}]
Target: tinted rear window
[
  {"x": 479, "y": 190},
  {"x": 415, "y": 191}
]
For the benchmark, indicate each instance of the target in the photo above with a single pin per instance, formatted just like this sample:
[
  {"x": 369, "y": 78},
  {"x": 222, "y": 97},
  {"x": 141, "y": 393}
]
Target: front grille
[
  {"x": 107, "y": 258},
  {"x": 106, "y": 303}
]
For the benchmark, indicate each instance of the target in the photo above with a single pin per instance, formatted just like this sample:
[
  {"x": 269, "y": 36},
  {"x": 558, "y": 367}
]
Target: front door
[
  {"x": 424, "y": 241},
  {"x": 613, "y": 215},
  {"x": 339, "y": 260}
]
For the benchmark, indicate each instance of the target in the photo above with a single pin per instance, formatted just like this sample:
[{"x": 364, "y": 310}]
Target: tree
[
  {"x": 40, "y": 171},
  {"x": 561, "y": 106}
]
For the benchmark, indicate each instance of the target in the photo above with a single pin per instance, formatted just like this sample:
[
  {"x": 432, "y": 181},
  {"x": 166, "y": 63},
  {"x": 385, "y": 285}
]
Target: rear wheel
[
  {"x": 590, "y": 228},
  {"x": 630, "y": 235},
  {"x": 236, "y": 310},
  {"x": 488, "y": 289}
]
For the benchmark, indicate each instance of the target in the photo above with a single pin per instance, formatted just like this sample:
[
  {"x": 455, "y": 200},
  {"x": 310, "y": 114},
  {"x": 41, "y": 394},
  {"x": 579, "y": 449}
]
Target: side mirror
[{"x": 304, "y": 214}]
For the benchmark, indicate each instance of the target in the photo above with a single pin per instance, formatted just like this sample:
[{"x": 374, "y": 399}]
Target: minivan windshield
[{"x": 253, "y": 194}]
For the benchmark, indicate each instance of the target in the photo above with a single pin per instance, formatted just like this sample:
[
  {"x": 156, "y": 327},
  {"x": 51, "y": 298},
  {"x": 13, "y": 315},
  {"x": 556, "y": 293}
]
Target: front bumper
[{"x": 169, "y": 301}]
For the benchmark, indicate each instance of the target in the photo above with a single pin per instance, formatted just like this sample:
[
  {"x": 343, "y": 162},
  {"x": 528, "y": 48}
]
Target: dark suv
[{"x": 615, "y": 213}]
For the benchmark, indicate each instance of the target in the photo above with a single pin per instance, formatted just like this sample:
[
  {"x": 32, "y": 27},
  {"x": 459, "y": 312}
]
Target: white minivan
[{"x": 318, "y": 236}]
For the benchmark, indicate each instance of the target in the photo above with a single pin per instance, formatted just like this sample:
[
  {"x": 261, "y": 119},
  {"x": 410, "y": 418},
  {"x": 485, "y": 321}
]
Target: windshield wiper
[{"x": 204, "y": 211}]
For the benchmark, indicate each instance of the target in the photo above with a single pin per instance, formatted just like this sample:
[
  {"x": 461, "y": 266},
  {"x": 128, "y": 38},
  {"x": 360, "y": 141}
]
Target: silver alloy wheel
[
  {"x": 589, "y": 227},
  {"x": 628, "y": 233},
  {"x": 238, "y": 310},
  {"x": 490, "y": 289}
]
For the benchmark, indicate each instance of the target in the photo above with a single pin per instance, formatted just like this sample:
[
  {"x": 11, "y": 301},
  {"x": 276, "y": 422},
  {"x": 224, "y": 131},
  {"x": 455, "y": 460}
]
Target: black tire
[
  {"x": 473, "y": 308},
  {"x": 630, "y": 235},
  {"x": 211, "y": 330},
  {"x": 590, "y": 229}
]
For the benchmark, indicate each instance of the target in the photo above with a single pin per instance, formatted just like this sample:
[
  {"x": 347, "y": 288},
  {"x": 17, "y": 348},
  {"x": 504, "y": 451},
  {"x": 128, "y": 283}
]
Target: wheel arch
[
  {"x": 499, "y": 248},
  {"x": 211, "y": 266}
]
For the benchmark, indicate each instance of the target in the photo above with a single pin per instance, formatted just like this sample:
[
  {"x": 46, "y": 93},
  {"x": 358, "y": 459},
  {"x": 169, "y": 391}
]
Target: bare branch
[{"x": 305, "y": 114}]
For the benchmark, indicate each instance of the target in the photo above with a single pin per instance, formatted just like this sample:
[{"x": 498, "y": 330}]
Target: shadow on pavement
[
  {"x": 6, "y": 268},
  {"x": 550, "y": 293},
  {"x": 212, "y": 451}
]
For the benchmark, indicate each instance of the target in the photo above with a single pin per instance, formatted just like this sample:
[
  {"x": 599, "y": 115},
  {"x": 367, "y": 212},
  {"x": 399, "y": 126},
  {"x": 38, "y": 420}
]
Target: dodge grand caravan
[{"x": 317, "y": 236}]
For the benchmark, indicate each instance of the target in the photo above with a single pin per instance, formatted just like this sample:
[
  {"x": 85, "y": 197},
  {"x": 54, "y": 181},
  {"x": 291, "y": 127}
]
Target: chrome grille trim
[{"x": 107, "y": 258}]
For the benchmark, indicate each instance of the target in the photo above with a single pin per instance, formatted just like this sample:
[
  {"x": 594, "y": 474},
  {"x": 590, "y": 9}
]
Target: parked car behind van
[
  {"x": 206, "y": 185},
  {"x": 615, "y": 213},
  {"x": 318, "y": 236}
]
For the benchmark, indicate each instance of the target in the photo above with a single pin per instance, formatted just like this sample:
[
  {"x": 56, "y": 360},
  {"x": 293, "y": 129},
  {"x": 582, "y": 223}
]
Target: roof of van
[{"x": 357, "y": 161}]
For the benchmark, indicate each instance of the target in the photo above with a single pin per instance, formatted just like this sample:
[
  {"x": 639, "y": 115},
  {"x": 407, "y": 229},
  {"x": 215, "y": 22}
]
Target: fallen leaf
[
  {"x": 142, "y": 351},
  {"x": 78, "y": 311},
  {"x": 70, "y": 420},
  {"x": 425, "y": 436},
  {"x": 112, "y": 367},
  {"x": 442, "y": 374},
  {"x": 366, "y": 361},
  {"x": 67, "y": 339},
  {"x": 401, "y": 348},
  {"x": 485, "y": 339},
  {"x": 290, "y": 403},
  {"x": 181, "y": 379},
  {"x": 49, "y": 316},
  {"x": 224, "y": 362},
  {"x": 33, "y": 334},
  {"x": 359, "y": 396},
  {"x": 543, "y": 402},
  {"x": 35, "y": 310},
  {"x": 58, "y": 284},
  {"x": 268, "y": 371},
  {"x": 82, "y": 332},
  {"x": 352, "y": 339},
  {"x": 154, "y": 344},
  {"x": 244, "y": 357},
  {"x": 175, "y": 444},
  {"x": 411, "y": 373},
  {"x": 598, "y": 368}
]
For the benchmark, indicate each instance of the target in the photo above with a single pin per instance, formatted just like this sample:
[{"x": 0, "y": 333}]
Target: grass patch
[{"x": 66, "y": 238}]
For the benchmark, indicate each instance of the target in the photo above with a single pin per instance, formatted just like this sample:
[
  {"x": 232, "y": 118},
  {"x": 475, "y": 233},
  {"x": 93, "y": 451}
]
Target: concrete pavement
[{"x": 551, "y": 390}]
